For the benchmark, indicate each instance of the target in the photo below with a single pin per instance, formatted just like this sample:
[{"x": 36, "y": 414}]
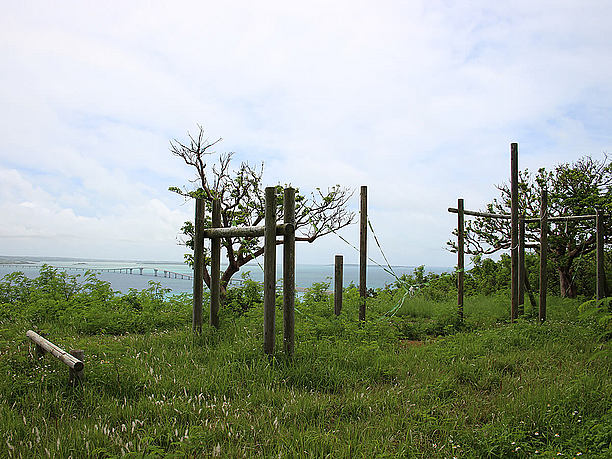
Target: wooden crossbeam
[{"x": 474, "y": 213}]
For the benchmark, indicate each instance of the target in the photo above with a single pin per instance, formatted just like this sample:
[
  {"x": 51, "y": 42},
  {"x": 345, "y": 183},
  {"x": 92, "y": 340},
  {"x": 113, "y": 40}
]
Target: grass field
[{"x": 413, "y": 385}]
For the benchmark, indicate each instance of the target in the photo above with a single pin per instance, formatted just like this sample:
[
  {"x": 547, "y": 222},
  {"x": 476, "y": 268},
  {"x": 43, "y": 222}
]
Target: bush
[
  {"x": 247, "y": 296},
  {"x": 599, "y": 311},
  {"x": 88, "y": 305}
]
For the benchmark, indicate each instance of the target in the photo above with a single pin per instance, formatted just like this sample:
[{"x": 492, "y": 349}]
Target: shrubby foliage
[
  {"x": 89, "y": 305},
  {"x": 491, "y": 277},
  {"x": 248, "y": 295},
  {"x": 416, "y": 305},
  {"x": 601, "y": 312}
]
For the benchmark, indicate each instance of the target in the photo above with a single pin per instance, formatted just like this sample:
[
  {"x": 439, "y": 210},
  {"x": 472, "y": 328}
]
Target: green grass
[{"x": 484, "y": 389}]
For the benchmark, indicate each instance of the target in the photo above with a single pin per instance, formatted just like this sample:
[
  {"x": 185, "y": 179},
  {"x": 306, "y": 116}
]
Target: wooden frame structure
[
  {"x": 517, "y": 245},
  {"x": 269, "y": 231}
]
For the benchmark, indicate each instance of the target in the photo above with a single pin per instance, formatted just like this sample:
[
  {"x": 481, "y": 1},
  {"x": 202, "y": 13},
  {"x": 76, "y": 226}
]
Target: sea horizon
[{"x": 133, "y": 277}]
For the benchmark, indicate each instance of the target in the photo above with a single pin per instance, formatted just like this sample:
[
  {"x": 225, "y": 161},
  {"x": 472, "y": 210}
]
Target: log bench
[{"x": 73, "y": 359}]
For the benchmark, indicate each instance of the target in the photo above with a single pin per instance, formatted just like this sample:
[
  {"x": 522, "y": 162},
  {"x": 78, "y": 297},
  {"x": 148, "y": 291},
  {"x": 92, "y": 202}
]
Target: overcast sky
[{"x": 417, "y": 100}]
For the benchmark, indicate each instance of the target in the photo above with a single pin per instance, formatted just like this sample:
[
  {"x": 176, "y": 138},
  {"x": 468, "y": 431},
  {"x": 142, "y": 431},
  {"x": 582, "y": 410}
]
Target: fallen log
[{"x": 47, "y": 346}]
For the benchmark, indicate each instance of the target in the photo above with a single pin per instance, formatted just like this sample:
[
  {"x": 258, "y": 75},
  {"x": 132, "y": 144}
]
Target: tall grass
[{"x": 484, "y": 389}]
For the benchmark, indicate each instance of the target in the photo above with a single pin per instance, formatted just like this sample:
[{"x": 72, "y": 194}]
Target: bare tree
[{"x": 241, "y": 196}]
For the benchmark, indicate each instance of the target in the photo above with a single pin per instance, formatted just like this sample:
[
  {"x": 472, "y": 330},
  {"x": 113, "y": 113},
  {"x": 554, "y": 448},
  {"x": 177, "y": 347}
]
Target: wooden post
[
  {"x": 543, "y": 253},
  {"x": 198, "y": 266},
  {"x": 460, "y": 256},
  {"x": 521, "y": 267},
  {"x": 39, "y": 351},
  {"x": 601, "y": 273},
  {"x": 338, "y": 281},
  {"x": 76, "y": 376},
  {"x": 289, "y": 271},
  {"x": 269, "y": 270},
  {"x": 363, "y": 251},
  {"x": 215, "y": 267},
  {"x": 514, "y": 230},
  {"x": 530, "y": 293}
]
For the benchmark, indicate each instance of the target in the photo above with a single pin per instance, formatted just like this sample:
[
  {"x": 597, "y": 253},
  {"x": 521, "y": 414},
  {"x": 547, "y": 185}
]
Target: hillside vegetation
[{"x": 410, "y": 382}]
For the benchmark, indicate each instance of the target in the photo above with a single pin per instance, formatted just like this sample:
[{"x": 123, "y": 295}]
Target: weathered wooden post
[
  {"x": 514, "y": 229},
  {"x": 363, "y": 251},
  {"x": 269, "y": 269},
  {"x": 38, "y": 349},
  {"x": 460, "y": 256},
  {"x": 543, "y": 253},
  {"x": 198, "y": 266},
  {"x": 530, "y": 292},
  {"x": 338, "y": 281},
  {"x": 215, "y": 267},
  {"x": 601, "y": 273},
  {"x": 521, "y": 267},
  {"x": 289, "y": 271}
]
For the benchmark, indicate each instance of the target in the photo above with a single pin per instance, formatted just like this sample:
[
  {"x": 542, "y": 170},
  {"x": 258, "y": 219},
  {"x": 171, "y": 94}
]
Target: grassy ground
[{"x": 414, "y": 385}]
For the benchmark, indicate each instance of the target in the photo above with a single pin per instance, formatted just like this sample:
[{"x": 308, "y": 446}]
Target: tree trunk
[
  {"x": 566, "y": 286},
  {"x": 225, "y": 278}
]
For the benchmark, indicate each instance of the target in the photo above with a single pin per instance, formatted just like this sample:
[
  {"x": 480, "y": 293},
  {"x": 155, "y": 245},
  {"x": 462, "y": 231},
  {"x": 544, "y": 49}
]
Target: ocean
[{"x": 133, "y": 277}]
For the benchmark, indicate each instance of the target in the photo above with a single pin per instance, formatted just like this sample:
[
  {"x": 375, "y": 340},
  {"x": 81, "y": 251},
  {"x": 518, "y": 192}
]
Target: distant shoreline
[
  {"x": 12, "y": 259},
  {"x": 30, "y": 260},
  {"x": 126, "y": 275}
]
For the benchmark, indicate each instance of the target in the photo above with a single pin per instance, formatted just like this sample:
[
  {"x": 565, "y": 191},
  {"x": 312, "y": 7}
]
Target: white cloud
[
  {"x": 418, "y": 100},
  {"x": 35, "y": 223}
]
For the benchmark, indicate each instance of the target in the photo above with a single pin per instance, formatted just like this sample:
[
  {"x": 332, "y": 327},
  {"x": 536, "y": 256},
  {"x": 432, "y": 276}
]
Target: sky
[{"x": 418, "y": 100}]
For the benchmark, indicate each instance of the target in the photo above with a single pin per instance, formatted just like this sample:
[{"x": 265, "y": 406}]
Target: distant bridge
[
  {"x": 140, "y": 269},
  {"x": 134, "y": 270}
]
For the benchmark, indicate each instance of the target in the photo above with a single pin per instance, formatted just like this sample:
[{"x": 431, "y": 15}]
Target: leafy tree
[
  {"x": 578, "y": 188},
  {"x": 242, "y": 200}
]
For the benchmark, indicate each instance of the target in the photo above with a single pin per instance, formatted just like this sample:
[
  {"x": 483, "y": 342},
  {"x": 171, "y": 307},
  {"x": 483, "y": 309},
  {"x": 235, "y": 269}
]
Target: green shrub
[
  {"x": 88, "y": 304},
  {"x": 247, "y": 296},
  {"x": 600, "y": 312}
]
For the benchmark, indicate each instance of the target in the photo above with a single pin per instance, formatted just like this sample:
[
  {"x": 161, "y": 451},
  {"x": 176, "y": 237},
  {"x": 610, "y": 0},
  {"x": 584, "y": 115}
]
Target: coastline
[{"x": 137, "y": 274}]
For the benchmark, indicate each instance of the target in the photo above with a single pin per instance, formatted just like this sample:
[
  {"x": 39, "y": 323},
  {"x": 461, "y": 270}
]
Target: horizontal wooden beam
[
  {"x": 479, "y": 214},
  {"x": 242, "y": 231},
  {"x": 562, "y": 219},
  {"x": 528, "y": 220},
  {"x": 56, "y": 351}
]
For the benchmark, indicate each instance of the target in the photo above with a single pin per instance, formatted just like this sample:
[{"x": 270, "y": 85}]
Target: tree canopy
[
  {"x": 241, "y": 195},
  {"x": 579, "y": 188}
]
